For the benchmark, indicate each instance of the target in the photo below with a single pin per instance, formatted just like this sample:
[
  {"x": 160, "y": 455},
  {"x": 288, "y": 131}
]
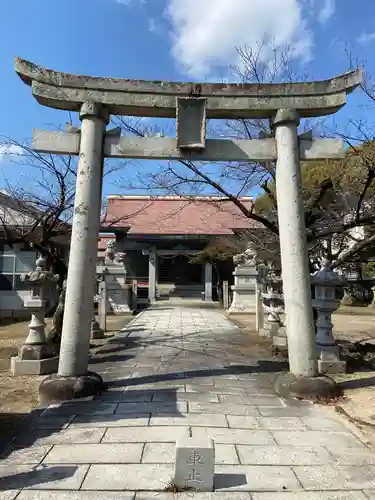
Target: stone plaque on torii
[{"x": 191, "y": 104}]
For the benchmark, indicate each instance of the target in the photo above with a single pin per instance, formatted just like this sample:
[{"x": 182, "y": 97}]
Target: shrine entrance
[
  {"x": 191, "y": 104},
  {"x": 180, "y": 271}
]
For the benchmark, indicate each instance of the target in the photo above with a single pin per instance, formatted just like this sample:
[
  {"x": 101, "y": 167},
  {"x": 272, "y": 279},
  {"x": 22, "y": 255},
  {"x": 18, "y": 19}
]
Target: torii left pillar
[{"x": 73, "y": 379}]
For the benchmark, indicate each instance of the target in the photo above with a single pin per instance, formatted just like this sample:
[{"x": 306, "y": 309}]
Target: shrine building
[{"x": 160, "y": 234}]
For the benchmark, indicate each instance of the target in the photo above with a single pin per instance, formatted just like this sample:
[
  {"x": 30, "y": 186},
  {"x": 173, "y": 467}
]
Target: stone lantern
[
  {"x": 36, "y": 356},
  {"x": 114, "y": 273},
  {"x": 273, "y": 304},
  {"x": 245, "y": 283},
  {"x": 327, "y": 300}
]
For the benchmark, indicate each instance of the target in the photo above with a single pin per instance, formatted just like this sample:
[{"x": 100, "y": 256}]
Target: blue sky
[{"x": 167, "y": 39}]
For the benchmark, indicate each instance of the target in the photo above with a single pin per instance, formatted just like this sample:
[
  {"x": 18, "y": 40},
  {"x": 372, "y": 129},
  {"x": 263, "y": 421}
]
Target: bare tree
[
  {"x": 37, "y": 208},
  {"x": 334, "y": 214}
]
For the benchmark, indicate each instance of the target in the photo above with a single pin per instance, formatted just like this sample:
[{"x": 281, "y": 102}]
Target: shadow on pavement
[
  {"x": 262, "y": 367},
  {"x": 229, "y": 480},
  {"x": 357, "y": 383},
  {"x": 37, "y": 476}
]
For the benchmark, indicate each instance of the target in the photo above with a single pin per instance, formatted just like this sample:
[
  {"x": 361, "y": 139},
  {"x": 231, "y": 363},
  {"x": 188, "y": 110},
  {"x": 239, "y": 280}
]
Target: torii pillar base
[
  {"x": 290, "y": 386},
  {"x": 57, "y": 389}
]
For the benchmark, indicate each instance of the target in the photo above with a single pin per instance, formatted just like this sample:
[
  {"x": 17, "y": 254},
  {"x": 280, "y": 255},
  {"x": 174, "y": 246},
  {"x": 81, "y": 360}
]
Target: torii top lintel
[{"x": 158, "y": 98}]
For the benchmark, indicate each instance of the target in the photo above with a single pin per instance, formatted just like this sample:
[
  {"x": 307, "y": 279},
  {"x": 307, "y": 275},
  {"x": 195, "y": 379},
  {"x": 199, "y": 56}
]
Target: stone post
[
  {"x": 73, "y": 380},
  {"x": 208, "y": 280},
  {"x": 372, "y": 305},
  {"x": 152, "y": 275},
  {"x": 325, "y": 302},
  {"x": 134, "y": 295},
  {"x": 36, "y": 357},
  {"x": 103, "y": 304},
  {"x": 259, "y": 314},
  {"x": 260, "y": 288},
  {"x": 225, "y": 295},
  {"x": 295, "y": 268},
  {"x": 96, "y": 331}
]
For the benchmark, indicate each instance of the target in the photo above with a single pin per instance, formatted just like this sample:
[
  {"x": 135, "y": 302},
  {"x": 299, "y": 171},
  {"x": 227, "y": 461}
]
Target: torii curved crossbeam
[{"x": 123, "y": 96}]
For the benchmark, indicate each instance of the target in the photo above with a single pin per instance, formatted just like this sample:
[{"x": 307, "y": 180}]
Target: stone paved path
[{"x": 177, "y": 371}]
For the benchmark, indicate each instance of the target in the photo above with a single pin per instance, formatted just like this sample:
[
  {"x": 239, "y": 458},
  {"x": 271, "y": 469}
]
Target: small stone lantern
[
  {"x": 326, "y": 300},
  {"x": 36, "y": 356},
  {"x": 273, "y": 304}
]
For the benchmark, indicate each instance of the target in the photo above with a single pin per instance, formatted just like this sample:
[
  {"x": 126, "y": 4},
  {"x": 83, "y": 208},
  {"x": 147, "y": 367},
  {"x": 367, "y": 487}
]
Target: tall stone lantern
[
  {"x": 245, "y": 283},
  {"x": 327, "y": 300},
  {"x": 36, "y": 356},
  {"x": 114, "y": 273},
  {"x": 273, "y": 302}
]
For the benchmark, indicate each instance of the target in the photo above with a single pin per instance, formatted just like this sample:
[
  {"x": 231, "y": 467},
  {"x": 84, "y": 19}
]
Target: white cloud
[
  {"x": 154, "y": 26},
  {"x": 366, "y": 38},
  {"x": 205, "y": 33},
  {"x": 128, "y": 3},
  {"x": 10, "y": 150},
  {"x": 327, "y": 11}
]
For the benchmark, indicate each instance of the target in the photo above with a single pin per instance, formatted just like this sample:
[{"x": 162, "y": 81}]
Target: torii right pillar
[{"x": 302, "y": 381}]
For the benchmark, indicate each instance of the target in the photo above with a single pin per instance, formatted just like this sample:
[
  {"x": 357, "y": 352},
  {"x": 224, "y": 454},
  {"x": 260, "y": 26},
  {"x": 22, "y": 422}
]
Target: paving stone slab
[
  {"x": 49, "y": 422},
  {"x": 157, "y": 407},
  {"x": 300, "y": 411},
  {"x": 191, "y": 419},
  {"x": 166, "y": 453},
  {"x": 33, "y": 455},
  {"x": 255, "y": 478},
  {"x": 337, "y": 477},
  {"x": 129, "y": 420},
  {"x": 232, "y": 380},
  {"x": 159, "y": 453},
  {"x": 92, "y": 407},
  {"x": 243, "y": 422},
  {"x": 282, "y": 423},
  {"x": 128, "y": 477},
  {"x": 217, "y": 495},
  {"x": 311, "y": 495},
  {"x": 223, "y": 408},
  {"x": 70, "y": 435},
  {"x": 206, "y": 381},
  {"x": 126, "y": 396},
  {"x": 324, "y": 424},
  {"x": 315, "y": 438},
  {"x": 268, "y": 401},
  {"x": 370, "y": 494},
  {"x": 226, "y": 454},
  {"x": 9, "y": 495},
  {"x": 75, "y": 495},
  {"x": 173, "y": 385},
  {"x": 145, "y": 434},
  {"x": 352, "y": 456},
  {"x": 198, "y": 389},
  {"x": 195, "y": 397},
  {"x": 283, "y": 455},
  {"x": 95, "y": 453},
  {"x": 54, "y": 477},
  {"x": 234, "y": 436}
]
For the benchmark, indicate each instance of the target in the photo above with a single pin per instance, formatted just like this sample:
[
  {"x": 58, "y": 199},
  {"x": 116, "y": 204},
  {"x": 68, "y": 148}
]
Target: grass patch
[{"x": 173, "y": 488}]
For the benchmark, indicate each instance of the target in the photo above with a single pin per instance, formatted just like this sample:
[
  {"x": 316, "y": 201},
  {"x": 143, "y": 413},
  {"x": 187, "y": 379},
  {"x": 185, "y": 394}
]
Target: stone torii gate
[{"x": 96, "y": 99}]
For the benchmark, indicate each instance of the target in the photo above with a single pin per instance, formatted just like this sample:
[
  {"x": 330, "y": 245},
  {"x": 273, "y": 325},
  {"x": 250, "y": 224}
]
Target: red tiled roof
[
  {"x": 175, "y": 215},
  {"x": 103, "y": 240}
]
